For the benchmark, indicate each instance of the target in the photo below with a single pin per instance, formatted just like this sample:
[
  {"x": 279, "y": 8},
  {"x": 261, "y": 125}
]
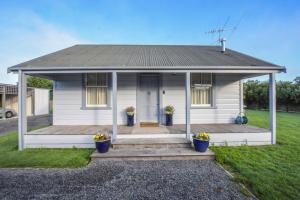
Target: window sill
[
  {"x": 95, "y": 108},
  {"x": 203, "y": 107}
]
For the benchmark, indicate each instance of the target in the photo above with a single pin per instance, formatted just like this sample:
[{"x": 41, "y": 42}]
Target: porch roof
[{"x": 145, "y": 57}]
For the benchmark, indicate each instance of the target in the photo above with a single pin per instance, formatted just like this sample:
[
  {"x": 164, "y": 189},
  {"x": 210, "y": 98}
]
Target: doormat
[{"x": 149, "y": 124}]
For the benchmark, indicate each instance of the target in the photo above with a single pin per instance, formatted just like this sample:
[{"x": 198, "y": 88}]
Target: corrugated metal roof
[{"x": 142, "y": 56}]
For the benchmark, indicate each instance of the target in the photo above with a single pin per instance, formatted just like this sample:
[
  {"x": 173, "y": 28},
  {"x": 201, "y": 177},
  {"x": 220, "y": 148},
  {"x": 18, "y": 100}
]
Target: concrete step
[
  {"x": 154, "y": 154},
  {"x": 141, "y": 143}
]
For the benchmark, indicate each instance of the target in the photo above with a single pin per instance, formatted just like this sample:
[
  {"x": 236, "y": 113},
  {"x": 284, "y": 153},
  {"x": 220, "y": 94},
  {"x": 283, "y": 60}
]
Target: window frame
[
  {"x": 211, "y": 93},
  {"x": 86, "y": 95}
]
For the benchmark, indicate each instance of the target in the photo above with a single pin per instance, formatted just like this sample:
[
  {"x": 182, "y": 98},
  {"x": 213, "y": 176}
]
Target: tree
[
  {"x": 288, "y": 94},
  {"x": 256, "y": 94},
  {"x": 285, "y": 90},
  {"x": 297, "y": 80},
  {"x": 39, "y": 82}
]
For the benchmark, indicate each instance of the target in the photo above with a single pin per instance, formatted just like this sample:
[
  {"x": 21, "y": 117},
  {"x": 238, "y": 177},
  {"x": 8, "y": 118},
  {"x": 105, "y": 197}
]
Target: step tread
[
  {"x": 149, "y": 141},
  {"x": 151, "y": 152}
]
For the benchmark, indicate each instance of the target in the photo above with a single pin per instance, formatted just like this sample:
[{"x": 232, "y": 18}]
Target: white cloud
[{"x": 25, "y": 36}]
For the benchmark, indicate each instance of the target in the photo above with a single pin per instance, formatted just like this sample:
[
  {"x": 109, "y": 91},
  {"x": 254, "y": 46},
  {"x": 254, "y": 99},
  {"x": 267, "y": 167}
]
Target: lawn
[
  {"x": 271, "y": 172},
  {"x": 44, "y": 158}
]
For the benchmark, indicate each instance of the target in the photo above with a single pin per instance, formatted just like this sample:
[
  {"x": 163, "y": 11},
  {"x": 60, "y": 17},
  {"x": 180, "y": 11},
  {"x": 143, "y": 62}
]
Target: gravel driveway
[{"x": 191, "y": 179}]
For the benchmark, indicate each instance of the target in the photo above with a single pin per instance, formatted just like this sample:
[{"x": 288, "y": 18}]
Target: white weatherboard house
[{"x": 94, "y": 84}]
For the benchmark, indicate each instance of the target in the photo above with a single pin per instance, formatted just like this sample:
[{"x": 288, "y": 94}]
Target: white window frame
[
  {"x": 86, "y": 86},
  {"x": 211, "y": 92}
]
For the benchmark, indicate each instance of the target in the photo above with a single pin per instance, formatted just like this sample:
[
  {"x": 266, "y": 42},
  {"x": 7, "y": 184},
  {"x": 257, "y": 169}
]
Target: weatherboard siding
[
  {"x": 127, "y": 84},
  {"x": 67, "y": 104},
  {"x": 227, "y": 102},
  {"x": 226, "y": 98}
]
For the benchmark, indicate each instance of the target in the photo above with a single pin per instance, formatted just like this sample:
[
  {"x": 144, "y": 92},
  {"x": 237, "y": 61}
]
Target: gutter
[{"x": 59, "y": 68}]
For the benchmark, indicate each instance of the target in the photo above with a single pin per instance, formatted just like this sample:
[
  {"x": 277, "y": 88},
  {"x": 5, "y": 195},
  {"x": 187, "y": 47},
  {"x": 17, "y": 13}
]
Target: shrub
[
  {"x": 101, "y": 137},
  {"x": 130, "y": 110},
  {"x": 202, "y": 136},
  {"x": 169, "y": 110},
  {"x": 288, "y": 94}
]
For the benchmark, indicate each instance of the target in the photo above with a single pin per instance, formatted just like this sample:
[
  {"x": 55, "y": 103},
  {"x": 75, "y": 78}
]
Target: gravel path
[{"x": 122, "y": 180}]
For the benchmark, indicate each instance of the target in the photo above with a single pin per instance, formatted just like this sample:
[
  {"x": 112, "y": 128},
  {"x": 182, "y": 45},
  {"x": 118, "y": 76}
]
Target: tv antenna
[{"x": 220, "y": 31}]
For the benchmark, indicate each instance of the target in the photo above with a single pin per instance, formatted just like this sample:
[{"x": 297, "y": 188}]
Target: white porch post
[
  {"x": 272, "y": 106},
  {"x": 241, "y": 96},
  {"x": 114, "y": 105},
  {"x": 188, "y": 104},
  {"x": 22, "y": 118}
]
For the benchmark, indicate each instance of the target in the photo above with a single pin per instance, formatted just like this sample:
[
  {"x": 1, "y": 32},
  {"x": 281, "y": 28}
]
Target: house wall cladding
[
  {"x": 227, "y": 102},
  {"x": 226, "y": 97},
  {"x": 67, "y": 108}
]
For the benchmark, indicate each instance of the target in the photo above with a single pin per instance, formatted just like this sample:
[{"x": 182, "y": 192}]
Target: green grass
[
  {"x": 270, "y": 172},
  {"x": 43, "y": 158}
]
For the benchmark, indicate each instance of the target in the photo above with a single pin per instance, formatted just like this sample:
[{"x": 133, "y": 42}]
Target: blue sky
[{"x": 266, "y": 29}]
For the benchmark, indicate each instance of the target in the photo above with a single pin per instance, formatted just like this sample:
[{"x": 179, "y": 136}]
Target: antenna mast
[{"x": 219, "y": 31}]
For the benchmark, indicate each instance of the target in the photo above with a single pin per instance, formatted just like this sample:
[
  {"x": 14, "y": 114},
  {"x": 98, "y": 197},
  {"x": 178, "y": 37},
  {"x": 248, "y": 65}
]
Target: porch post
[
  {"x": 188, "y": 104},
  {"x": 114, "y": 105},
  {"x": 272, "y": 106},
  {"x": 241, "y": 96},
  {"x": 22, "y": 118}
]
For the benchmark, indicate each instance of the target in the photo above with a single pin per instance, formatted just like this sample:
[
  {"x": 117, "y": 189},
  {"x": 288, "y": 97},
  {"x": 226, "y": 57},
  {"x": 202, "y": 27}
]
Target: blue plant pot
[
  {"x": 103, "y": 146},
  {"x": 130, "y": 120},
  {"x": 200, "y": 145},
  {"x": 245, "y": 120},
  {"x": 169, "y": 120},
  {"x": 239, "y": 120}
]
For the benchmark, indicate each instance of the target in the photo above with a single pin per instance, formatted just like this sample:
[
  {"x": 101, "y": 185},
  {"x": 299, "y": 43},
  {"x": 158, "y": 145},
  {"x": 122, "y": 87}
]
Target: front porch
[
  {"x": 72, "y": 118},
  {"x": 60, "y": 136}
]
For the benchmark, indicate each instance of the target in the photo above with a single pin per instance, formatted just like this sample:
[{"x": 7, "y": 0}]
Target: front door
[{"x": 148, "y": 98}]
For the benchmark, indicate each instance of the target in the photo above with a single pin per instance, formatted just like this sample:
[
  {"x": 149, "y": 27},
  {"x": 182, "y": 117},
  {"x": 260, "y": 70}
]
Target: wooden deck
[
  {"x": 82, "y": 136},
  {"x": 125, "y": 130}
]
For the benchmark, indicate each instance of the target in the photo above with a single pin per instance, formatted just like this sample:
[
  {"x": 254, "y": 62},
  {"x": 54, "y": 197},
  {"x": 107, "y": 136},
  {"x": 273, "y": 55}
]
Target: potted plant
[
  {"x": 241, "y": 119},
  {"x": 102, "y": 142},
  {"x": 201, "y": 141},
  {"x": 130, "y": 116},
  {"x": 169, "y": 110}
]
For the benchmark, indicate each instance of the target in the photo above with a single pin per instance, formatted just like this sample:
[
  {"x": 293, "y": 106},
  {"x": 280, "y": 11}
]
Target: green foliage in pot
[
  {"x": 130, "y": 110},
  {"x": 202, "y": 136},
  {"x": 169, "y": 110},
  {"x": 99, "y": 137}
]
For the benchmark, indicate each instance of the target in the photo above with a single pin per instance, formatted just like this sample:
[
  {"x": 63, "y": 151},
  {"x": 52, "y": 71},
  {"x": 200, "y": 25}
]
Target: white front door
[{"x": 148, "y": 98}]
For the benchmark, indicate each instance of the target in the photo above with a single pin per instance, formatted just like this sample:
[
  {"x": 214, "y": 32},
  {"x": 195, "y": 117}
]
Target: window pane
[
  {"x": 96, "y": 89},
  {"x": 96, "y": 96},
  {"x": 101, "y": 79},
  {"x": 196, "y": 78},
  {"x": 91, "y": 80},
  {"x": 201, "y": 96},
  {"x": 201, "y": 88},
  {"x": 206, "y": 79}
]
